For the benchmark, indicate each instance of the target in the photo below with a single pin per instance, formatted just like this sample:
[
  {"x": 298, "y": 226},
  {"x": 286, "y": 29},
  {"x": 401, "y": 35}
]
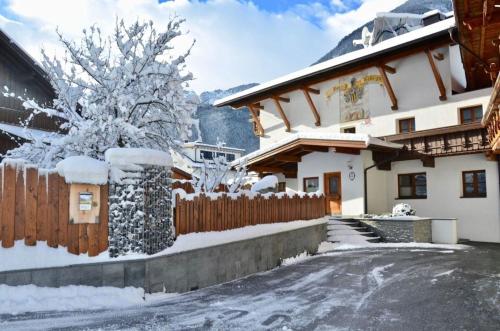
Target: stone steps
[{"x": 349, "y": 231}]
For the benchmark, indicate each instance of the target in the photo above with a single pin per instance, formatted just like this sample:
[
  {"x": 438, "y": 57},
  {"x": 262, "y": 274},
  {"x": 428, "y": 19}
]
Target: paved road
[{"x": 386, "y": 289}]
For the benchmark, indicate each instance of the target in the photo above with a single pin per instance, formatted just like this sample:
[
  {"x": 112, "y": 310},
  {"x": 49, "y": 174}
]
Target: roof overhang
[
  {"x": 284, "y": 155},
  {"x": 432, "y": 36},
  {"x": 478, "y": 24}
]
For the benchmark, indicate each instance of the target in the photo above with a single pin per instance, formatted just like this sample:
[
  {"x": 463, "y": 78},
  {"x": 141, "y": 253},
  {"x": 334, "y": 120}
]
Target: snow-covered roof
[
  {"x": 26, "y": 133},
  {"x": 222, "y": 147},
  {"x": 367, "y": 139},
  {"x": 356, "y": 56}
]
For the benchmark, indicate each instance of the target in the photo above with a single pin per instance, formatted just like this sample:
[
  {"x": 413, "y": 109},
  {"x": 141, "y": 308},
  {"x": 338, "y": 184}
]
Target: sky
[{"x": 237, "y": 41}]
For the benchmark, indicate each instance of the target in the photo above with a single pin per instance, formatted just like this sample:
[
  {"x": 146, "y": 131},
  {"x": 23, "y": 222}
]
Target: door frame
[{"x": 325, "y": 186}]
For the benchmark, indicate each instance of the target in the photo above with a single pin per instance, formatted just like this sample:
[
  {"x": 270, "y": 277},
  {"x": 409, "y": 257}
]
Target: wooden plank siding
[
  {"x": 203, "y": 213},
  {"x": 34, "y": 206}
]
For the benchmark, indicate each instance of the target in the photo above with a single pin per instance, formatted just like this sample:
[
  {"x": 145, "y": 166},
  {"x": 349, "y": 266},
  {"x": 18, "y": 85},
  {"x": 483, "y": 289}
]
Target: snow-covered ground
[
  {"x": 31, "y": 298},
  {"x": 41, "y": 256},
  {"x": 363, "y": 289}
]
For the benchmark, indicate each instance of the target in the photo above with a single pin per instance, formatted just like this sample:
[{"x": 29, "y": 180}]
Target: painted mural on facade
[{"x": 353, "y": 98}]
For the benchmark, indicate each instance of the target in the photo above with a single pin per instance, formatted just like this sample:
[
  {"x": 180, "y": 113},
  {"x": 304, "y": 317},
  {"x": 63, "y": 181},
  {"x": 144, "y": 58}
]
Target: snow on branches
[
  {"x": 125, "y": 90},
  {"x": 218, "y": 171}
]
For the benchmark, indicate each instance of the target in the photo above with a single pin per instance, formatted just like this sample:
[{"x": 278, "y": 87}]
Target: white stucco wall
[
  {"x": 317, "y": 164},
  {"x": 478, "y": 218},
  {"x": 415, "y": 89}
]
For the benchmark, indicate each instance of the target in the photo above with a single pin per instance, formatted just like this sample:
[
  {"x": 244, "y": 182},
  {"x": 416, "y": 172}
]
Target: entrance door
[{"x": 333, "y": 193}]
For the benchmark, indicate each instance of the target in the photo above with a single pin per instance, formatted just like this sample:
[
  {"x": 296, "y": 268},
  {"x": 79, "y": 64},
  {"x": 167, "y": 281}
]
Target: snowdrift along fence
[
  {"x": 203, "y": 213},
  {"x": 34, "y": 206}
]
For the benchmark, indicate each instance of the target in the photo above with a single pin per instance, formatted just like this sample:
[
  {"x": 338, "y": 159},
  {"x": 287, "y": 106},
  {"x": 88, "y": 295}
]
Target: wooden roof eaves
[
  {"x": 429, "y": 42},
  {"x": 307, "y": 142}
]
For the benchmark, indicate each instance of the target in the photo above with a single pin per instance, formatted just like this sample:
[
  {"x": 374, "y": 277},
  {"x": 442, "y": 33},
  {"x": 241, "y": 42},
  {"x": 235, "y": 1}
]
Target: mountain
[
  {"x": 228, "y": 125},
  {"x": 411, "y": 6}
]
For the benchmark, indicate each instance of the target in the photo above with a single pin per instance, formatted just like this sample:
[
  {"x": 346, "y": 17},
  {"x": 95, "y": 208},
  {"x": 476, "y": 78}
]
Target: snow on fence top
[
  {"x": 267, "y": 182},
  {"x": 243, "y": 193},
  {"x": 84, "y": 170},
  {"x": 139, "y": 156}
]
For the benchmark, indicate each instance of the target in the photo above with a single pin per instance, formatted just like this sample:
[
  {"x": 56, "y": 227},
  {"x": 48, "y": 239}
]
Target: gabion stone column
[{"x": 140, "y": 212}]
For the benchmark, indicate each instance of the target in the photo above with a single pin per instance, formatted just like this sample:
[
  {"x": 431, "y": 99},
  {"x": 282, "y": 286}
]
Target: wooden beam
[
  {"x": 439, "y": 56},
  {"x": 323, "y": 149},
  {"x": 437, "y": 76},
  {"x": 266, "y": 169},
  {"x": 313, "y": 90},
  {"x": 345, "y": 150},
  {"x": 282, "y": 113},
  {"x": 389, "y": 69},
  {"x": 312, "y": 106},
  {"x": 283, "y": 99},
  {"x": 258, "y": 105},
  {"x": 340, "y": 72},
  {"x": 288, "y": 158},
  {"x": 388, "y": 88},
  {"x": 428, "y": 161},
  {"x": 260, "y": 129}
]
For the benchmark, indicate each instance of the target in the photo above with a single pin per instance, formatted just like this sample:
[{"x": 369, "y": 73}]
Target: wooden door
[{"x": 333, "y": 192}]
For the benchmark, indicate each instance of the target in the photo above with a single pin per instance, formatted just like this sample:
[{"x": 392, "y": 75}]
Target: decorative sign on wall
[
  {"x": 352, "y": 175},
  {"x": 353, "y": 99},
  {"x": 84, "y": 204}
]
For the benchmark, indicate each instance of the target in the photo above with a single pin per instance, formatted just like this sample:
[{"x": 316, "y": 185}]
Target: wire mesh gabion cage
[{"x": 140, "y": 212}]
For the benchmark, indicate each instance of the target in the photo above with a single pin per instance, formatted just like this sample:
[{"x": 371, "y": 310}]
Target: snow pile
[
  {"x": 296, "y": 259},
  {"x": 328, "y": 246},
  {"x": 403, "y": 209},
  {"x": 144, "y": 156},
  {"x": 266, "y": 183},
  {"x": 83, "y": 169},
  {"x": 31, "y": 298},
  {"x": 126, "y": 164}
]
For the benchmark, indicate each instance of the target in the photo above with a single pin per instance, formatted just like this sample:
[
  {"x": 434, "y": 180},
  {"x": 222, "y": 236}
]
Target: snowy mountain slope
[
  {"x": 226, "y": 124},
  {"x": 411, "y": 6}
]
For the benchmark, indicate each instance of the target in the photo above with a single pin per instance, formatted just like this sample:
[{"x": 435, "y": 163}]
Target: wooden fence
[
  {"x": 224, "y": 213},
  {"x": 36, "y": 208}
]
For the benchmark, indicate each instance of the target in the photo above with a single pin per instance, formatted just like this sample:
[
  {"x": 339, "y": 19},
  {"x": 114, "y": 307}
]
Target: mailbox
[{"x": 84, "y": 204}]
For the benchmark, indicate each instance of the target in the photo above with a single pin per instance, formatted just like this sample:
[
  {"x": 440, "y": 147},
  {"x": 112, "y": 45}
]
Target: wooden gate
[{"x": 34, "y": 206}]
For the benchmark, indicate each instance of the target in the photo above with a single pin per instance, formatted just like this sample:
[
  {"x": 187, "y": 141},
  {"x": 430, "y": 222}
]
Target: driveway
[{"x": 383, "y": 289}]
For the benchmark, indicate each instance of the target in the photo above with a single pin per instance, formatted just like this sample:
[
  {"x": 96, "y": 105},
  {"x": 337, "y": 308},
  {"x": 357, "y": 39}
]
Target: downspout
[{"x": 365, "y": 177}]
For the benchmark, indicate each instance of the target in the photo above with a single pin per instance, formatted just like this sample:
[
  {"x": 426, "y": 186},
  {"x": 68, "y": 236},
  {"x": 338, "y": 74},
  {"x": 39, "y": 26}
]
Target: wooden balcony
[
  {"x": 491, "y": 119},
  {"x": 428, "y": 144}
]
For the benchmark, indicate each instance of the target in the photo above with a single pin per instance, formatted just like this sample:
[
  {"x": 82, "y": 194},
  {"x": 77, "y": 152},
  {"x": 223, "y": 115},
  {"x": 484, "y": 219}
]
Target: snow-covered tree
[
  {"x": 218, "y": 171},
  {"x": 124, "y": 90}
]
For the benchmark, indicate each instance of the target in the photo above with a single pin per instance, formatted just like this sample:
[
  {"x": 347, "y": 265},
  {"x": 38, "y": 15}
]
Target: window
[
  {"x": 350, "y": 130},
  {"x": 471, "y": 114},
  {"x": 412, "y": 186},
  {"x": 282, "y": 187},
  {"x": 207, "y": 155},
  {"x": 230, "y": 157},
  {"x": 311, "y": 184},
  {"x": 474, "y": 184},
  {"x": 406, "y": 125}
]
